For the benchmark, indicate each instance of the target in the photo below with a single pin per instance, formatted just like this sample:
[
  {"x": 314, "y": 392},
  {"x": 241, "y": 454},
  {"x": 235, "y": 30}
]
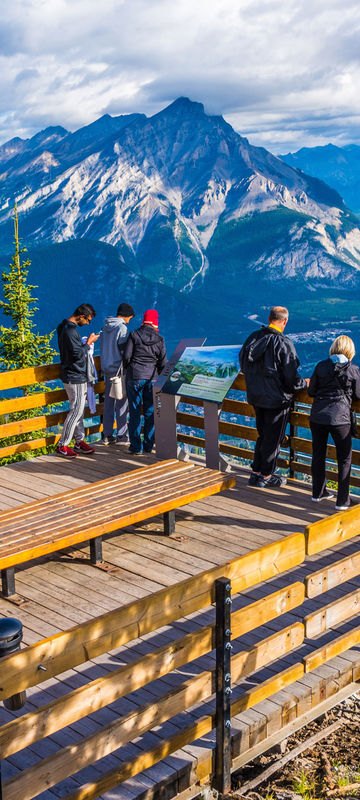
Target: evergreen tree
[{"x": 20, "y": 345}]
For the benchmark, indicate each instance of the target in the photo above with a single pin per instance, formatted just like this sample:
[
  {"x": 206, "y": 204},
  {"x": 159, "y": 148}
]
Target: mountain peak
[{"x": 183, "y": 105}]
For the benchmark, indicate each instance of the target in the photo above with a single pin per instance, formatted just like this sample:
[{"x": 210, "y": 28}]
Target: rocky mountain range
[
  {"x": 177, "y": 209},
  {"x": 337, "y": 166}
]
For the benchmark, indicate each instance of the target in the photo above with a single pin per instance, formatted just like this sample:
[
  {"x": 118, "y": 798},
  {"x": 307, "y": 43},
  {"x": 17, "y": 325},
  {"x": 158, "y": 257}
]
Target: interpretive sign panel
[{"x": 204, "y": 372}]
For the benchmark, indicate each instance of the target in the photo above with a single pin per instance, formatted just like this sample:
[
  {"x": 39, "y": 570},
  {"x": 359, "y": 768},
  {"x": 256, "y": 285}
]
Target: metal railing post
[
  {"x": 292, "y": 434},
  {"x": 223, "y": 685}
]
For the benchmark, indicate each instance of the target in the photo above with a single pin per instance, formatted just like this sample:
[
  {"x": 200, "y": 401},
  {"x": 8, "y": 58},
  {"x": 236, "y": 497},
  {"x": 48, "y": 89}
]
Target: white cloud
[{"x": 284, "y": 74}]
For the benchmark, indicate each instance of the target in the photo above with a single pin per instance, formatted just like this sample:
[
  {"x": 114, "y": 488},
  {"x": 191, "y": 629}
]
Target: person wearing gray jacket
[{"x": 112, "y": 342}]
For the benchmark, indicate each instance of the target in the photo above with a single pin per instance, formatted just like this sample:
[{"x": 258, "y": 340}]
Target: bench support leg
[
  {"x": 96, "y": 550},
  {"x": 169, "y": 523},
  {"x": 8, "y": 581}
]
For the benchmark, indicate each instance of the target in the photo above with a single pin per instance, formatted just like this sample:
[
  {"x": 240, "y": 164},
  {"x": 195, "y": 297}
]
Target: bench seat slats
[
  {"x": 103, "y": 514},
  {"x": 102, "y": 503},
  {"x": 35, "y": 518},
  {"x": 149, "y": 473},
  {"x": 73, "y": 517}
]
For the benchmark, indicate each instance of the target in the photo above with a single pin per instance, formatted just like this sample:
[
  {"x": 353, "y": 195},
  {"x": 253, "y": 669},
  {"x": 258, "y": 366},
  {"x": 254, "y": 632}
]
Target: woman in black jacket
[{"x": 333, "y": 385}]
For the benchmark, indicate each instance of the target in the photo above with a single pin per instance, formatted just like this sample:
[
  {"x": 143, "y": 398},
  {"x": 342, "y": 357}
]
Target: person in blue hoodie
[{"x": 112, "y": 342}]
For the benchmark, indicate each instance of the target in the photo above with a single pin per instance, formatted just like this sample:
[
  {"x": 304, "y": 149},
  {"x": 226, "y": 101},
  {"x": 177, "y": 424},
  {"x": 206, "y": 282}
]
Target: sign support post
[{"x": 165, "y": 405}]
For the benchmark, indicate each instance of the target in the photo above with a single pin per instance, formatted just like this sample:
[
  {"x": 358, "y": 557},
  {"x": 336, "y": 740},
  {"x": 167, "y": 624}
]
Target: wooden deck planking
[{"x": 211, "y": 531}]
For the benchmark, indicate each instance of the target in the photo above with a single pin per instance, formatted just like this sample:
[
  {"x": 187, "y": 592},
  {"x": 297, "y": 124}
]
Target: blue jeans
[
  {"x": 140, "y": 392},
  {"x": 111, "y": 407}
]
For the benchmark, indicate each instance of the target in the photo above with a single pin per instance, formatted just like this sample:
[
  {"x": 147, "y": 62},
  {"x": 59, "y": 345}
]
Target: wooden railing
[
  {"x": 294, "y": 448},
  {"x": 294, "y": 457},
  {"x": 24, "y": 381},
  {"x": 50, "y": 657}
]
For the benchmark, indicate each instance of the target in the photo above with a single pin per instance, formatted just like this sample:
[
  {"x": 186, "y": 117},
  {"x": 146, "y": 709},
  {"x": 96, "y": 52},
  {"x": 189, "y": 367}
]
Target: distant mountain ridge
[
  {"x": 337, "y": 166},
  {"x": 188, "y": 204}
]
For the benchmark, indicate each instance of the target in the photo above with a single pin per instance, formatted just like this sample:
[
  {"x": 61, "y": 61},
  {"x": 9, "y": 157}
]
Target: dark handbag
[{"x": 353, "y": 423}]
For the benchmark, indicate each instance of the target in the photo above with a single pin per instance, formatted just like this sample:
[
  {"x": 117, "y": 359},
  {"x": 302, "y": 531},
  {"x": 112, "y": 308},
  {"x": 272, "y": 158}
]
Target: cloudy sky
[{"x": 285, "y": 73}]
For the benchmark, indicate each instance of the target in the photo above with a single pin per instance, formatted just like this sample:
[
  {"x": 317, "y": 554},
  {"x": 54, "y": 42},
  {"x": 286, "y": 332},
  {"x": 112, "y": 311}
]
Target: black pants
[
  {"x": 271, "y": 425},
  {"x": 341, "y": 435}
]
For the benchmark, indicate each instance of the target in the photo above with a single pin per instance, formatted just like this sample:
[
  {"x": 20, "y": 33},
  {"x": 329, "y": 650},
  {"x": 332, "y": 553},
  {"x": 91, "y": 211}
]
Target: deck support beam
[
  {"x": 96, "y": 550},
  {"x": 8, "y": 584},
  {"x": 169, "y": 523}
]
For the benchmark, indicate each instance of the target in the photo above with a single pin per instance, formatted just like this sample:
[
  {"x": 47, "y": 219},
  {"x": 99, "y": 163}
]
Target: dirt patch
[{"x": 328, "y": 769}]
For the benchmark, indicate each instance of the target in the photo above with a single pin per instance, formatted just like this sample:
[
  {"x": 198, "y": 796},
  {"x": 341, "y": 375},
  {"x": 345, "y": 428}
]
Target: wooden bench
[{"x": 72, "y": 517}]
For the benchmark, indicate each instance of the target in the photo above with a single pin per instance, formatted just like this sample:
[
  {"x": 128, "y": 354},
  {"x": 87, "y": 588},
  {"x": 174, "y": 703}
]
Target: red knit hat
[{"x": 152, "y": 317}]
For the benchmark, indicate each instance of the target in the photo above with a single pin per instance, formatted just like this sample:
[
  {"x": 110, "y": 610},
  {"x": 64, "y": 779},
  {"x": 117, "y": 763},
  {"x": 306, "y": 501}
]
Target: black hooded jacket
[
  {"x": 270, "y": 364},
  {"x": 328, "y": 384},
  {"x": 73, "y": 353},
  {"x": 144, "y": 354}
]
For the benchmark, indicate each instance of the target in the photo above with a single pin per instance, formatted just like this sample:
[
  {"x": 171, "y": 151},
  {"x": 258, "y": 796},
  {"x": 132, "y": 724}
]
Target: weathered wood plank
[
  {"x": 332, "y": 614},
  {"x": 38, "y": 423},
  {"x": 75, "y": 757},
  {"x": 332, "y": 649},
  {"x": 30, "y": 375},
  {"x": 106, "y": 690},
  {"x": 118, "y": 627},
  {"x": 327, "y": 532},
  {"x": 336, "y": 573},
  {"x": 67, "y": 536},
  {"x": 46, "y": 398}
]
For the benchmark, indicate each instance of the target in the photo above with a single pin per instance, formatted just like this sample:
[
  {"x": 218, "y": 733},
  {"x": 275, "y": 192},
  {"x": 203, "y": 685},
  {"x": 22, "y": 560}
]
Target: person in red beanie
[{"x": 144, "y": 359}]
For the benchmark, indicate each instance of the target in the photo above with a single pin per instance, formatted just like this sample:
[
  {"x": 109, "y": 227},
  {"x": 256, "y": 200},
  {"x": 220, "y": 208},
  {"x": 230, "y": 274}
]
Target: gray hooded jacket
[{"x": 112, "y": 341}]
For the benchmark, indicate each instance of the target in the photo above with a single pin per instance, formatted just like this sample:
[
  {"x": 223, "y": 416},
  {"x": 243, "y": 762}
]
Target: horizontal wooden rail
[
  {"x": 229, "y": 428},
  {"x": 332, "y": 649},
  {"x": 327, "y": 578},
  {"x": 18, "y": 378},
  {"x": 333, "y": 530},
  {"x": 44, "y": 441},
  {"x": 97, "y": 694},
  {"x": 332, "y": 614},
  {"x": 39, "y": 399},
  {"x": 39, "y": 423},
  {"x": 74, "y": 757},
  {"x": 83, "y": 642}
]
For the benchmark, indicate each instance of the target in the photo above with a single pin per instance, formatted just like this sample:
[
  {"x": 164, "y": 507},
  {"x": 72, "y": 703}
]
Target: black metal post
[
  {"x": 223, "y": 685},
  {"x": 292, "y": 434},
  {"x": 96, "y": 550},
  {"x": 8, "y": 581},
  {"x": 169, "y": 522}
]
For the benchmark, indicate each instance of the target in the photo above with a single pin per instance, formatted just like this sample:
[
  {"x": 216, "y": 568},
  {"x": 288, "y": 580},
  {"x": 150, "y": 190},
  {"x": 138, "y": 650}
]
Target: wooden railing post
[{"x": 223, "y": 685}]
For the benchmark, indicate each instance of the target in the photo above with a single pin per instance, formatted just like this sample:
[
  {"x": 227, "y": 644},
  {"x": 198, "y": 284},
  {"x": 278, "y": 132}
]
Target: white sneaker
[
  {"x": 345, "y": 506},
  {"x": 326, "y": 495}
]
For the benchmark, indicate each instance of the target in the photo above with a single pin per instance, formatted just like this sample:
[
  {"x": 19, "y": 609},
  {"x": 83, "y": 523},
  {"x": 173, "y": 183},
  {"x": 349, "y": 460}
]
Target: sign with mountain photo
[{"x": 206, "y": 373}]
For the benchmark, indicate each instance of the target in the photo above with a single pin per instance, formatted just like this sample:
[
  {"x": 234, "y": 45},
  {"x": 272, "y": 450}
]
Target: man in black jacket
[
  {"x": 73, "y": 357},
  {"x": 144, "y": 358},
  {"x": 269, "y": 362}
]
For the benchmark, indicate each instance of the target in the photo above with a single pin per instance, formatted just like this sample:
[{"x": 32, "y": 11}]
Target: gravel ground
[{"x": 324, "y": 771}]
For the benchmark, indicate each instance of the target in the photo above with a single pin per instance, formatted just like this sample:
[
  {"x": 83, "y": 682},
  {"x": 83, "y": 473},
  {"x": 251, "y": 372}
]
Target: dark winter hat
[{"x": 125, "y": 310}]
